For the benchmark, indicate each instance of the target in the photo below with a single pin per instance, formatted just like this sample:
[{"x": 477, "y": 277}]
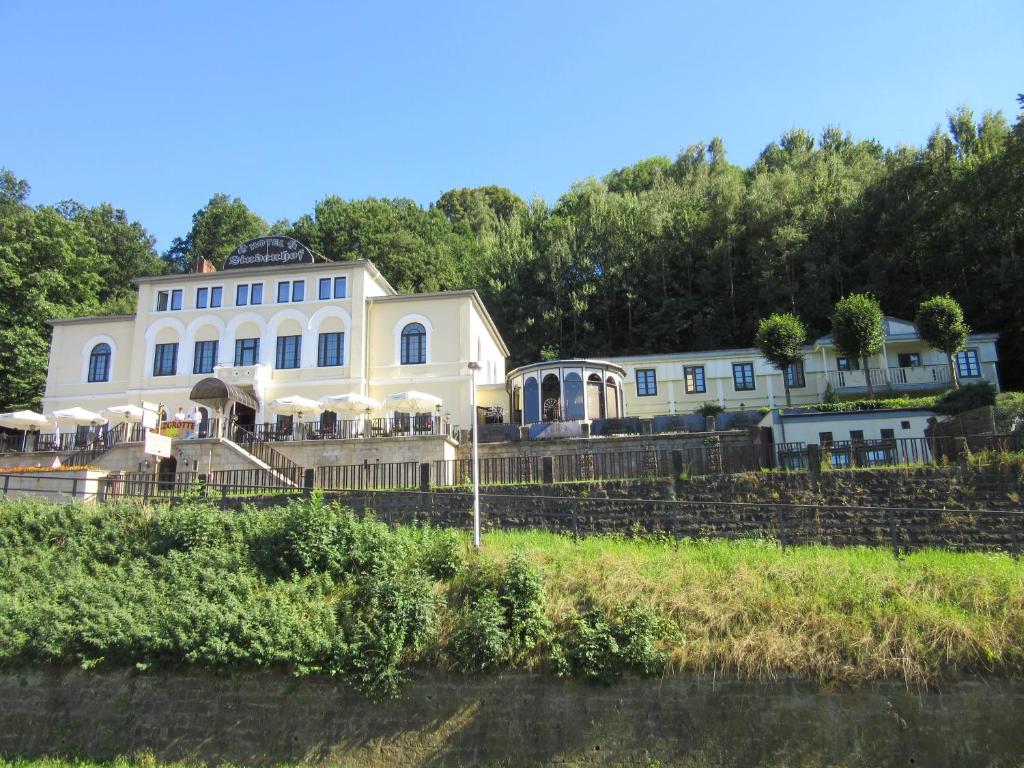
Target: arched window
[
  {"x": 574, "y": 410},
  {"x": 595, "y": 397},
  {"x": 99, "y": 363},
  {"x": 551, "y": 393},
  {"x": 612, "y": 399},
  {"x": 531, "y": 401},
  {"x": 414, "y": 344}
]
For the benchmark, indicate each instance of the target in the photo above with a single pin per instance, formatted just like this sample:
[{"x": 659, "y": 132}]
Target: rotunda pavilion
[{"x": 565, "y": 390}]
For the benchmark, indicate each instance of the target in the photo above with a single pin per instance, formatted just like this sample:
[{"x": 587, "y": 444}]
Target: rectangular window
[
  {"x": 825, "y": 438},
  {"x": 205, "y": 357},
  {"x": 241, "y": 295},
  {"x": 325, "y": 288},
  {"x": 283, "y": 292},
  {"x": 795, "y": 375},
  {"x": 909, "y": 359},
  {"x": 330, "y": 349},
  {"x": 888, "y": 434},
  {"x": 288, "y": 350},
  {"x": 256, "y": 293},
  {"x": 176, "y": 295},
  {"x": 967, "y": 365},
  {"x": 332, "y": 288},
  {"x": 202, "y": 296},
  {"x": 743, "y": 377},
  {"x": 247, "y": 351},
  {"x": 857, "y": 434},
  {"x": 693, "y": 378},
  {"x": 298, "y": 290},
  {"x": 847, "y": 364},
  {"x": 216, "y": 296},
  {"x": 646, "y": 382},
  {"x": 162, "y": 300},
  {"x": 165, "y": 360},
  {"x": 340, "y": 287}
]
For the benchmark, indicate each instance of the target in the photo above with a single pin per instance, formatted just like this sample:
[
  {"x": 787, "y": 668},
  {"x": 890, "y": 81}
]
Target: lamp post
[{"x": 473, "y": 368}]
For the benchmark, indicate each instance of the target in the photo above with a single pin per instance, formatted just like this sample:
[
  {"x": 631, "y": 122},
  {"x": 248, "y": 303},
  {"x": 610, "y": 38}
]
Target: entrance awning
[{"x": 217, "y": 394}]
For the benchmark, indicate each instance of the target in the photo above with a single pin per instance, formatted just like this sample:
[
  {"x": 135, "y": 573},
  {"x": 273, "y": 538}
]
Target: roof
[
  {"x": 827, "y": 340},
  {"x": 468, "y": 293},
  {"x": 91, "y": 319},
  {"x": 214, "y": 393},
  {"x": 322, "y": 266},
  {"x": 576, "y": 362}
]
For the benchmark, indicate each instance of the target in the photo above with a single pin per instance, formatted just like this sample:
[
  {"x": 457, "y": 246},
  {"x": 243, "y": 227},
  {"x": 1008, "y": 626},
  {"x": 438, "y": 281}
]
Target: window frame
[
  {"x": 197, "y": 357},
  {"x": 159, "y": 368},
  {"x": 910, "y": 356},
  {"x": 405, "y": 347},
  {"x": 298, "y": 291},
  {"x": 288, "y": 355},
  {"x": 847, "y": 364},
  {"x": 324, "y": 287},
  {"x": 242, "y": 292},
  {"x": 698, "y": 388},
  {"x": 216, "y": 296},
  {"x": 177, "y": 299},
  {"x": 322, "y": 350},
  {"x": 649, "y": 379},
  {"x": 94, "y": 356},
  {"x": 963, "y": 362},
  {"x": 736, "y": 381},
  {"x": 284, "y": 289},
  {"x": 241, "y": 347},
  {"x": 792, "y": 380},
  {"x": 202, "y": 297}
]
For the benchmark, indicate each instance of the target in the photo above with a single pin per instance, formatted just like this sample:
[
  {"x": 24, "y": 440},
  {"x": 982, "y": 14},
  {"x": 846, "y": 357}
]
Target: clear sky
[{"x": 154, "y": 107}]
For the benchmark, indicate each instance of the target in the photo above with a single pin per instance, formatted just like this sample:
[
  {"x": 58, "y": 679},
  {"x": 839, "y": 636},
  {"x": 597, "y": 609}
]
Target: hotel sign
[{"x": 269, "y": 252}]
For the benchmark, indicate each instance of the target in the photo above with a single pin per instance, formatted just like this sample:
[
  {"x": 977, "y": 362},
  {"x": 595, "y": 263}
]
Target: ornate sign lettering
[{"x": 269, "y": 252}]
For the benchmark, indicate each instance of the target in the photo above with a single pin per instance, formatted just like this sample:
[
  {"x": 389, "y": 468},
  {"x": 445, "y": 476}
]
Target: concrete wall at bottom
[{"x": 510, "y": 719}]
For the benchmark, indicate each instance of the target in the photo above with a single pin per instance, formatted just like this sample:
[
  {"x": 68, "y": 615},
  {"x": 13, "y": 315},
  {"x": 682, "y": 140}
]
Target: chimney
[{"x": 203, "y": 266}]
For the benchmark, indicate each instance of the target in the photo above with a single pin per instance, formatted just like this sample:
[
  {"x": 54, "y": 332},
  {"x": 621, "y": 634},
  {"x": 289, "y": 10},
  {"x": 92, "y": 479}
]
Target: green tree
[
  {"x": 857, "y": 329},
  {"x": 781, "y": 338},
  {"x": 940, "y": 321},
  {"x": 217, "y": 229}
]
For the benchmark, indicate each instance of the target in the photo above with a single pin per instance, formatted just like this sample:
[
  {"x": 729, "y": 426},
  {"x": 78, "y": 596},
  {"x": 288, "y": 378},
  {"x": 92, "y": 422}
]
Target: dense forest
[{"x": 664, "y": 255}]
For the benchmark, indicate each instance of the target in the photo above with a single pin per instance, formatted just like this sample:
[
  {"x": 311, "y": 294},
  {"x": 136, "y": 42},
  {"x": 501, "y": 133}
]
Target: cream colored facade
[
  {"x": 905, "y": 365},
  {"x": 369, "y": 313}
]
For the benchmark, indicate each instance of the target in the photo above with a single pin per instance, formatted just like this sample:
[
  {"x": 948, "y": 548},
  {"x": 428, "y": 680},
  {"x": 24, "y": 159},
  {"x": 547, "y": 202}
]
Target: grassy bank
[{"x": 311, "y": 589}]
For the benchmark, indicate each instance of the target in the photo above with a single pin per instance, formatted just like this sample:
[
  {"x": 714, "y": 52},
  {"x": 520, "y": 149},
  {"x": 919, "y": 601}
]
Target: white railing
[
  {"x": 922, "y": 375},
  {"x": 911, "y": 376}
]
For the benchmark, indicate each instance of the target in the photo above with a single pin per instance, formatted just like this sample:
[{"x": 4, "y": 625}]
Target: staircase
[
  {"x": 100, "y": 444},
  {"x": 282, "y": 471}
]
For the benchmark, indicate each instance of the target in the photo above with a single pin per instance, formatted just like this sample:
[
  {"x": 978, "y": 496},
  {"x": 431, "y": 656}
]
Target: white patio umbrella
[
  {"x": 130, "y": 413},
  {"x": 351, "y": 402},
  {"x": 79, "y": 416},
  {"x": 23, "y": 420},
  {"x": 412, "y": 402},
  {"x": 294, "y": 405}
]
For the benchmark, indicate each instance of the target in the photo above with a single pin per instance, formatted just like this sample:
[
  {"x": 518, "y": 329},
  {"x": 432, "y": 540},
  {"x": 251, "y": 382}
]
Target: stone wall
[
  {"x": 902, "y": 508},
  {"x": 510, "y": 719}
]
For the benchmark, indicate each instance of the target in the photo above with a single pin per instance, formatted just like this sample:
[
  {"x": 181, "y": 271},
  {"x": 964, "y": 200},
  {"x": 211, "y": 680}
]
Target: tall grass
[{"x": 308, "y": 588}]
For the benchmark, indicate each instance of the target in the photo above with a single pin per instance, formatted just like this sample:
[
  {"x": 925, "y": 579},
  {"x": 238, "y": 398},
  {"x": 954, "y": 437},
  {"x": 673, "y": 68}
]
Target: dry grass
[{"x": 837, "y": 615}]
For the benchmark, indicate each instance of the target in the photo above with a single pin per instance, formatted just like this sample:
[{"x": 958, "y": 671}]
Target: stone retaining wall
[{"x": 511, "y": 719}]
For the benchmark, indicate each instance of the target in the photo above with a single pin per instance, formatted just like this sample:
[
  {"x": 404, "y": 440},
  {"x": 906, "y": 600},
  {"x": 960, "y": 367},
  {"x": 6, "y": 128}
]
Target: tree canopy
[
  {"x": 670, "y": 254},
  {"x": 780, "y": 338},
  {"x": 858, "y": 330},
  {"x": 940, "y": 321}
]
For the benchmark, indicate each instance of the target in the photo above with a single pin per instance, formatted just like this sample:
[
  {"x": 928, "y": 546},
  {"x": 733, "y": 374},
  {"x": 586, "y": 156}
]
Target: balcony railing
[
  {"x": 417, "y": 426},
  {"x": 923, "y": 376}
]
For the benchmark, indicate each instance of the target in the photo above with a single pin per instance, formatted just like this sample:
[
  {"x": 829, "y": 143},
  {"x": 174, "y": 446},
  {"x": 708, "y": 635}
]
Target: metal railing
[
  {"x": 287, "y": 470},
  {"x": 400, "y": 474}
]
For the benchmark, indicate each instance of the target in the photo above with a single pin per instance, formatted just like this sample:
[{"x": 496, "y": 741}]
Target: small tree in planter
[
  {"x": 940, "y": 321},
  {"x": 857, "y": 329},
  {"x": 781, "y": 338}
]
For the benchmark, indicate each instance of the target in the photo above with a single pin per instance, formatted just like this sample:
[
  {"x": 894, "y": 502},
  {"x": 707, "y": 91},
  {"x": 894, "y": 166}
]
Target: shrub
[
  {"x": 600, "y": 647},
  {"x": 1009, "y": 412},
  {"x": 189, "y": 527},
  {"x": 967, "y": 398},
  {"x": 480, "y": 640},
  {"x": 502, "y": 608},
  {"x": 441, "y": 554}
]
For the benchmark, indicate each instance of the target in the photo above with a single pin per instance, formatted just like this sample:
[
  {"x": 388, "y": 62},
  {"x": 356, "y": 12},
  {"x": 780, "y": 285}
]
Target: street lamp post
[{"x": 473, "y": 368}]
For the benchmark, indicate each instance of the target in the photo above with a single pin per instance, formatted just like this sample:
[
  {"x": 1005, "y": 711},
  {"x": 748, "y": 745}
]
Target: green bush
[
  {"x": 1009, "y": 412},
  {"x": 500, "y": 607},
  {"x": 190, "y": 526},
  {"x": 967, "y": 398},
  {"x": 601, "y": 647}
]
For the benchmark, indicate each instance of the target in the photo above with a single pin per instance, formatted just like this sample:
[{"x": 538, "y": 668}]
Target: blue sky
[{"x": 156, "y": 106}]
